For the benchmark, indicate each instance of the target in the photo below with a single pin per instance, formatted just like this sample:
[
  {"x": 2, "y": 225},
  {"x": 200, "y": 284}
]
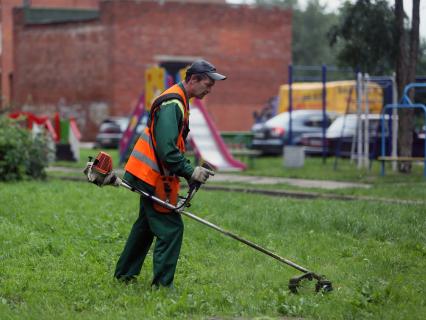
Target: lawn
[{"x": 60, "y": 241}]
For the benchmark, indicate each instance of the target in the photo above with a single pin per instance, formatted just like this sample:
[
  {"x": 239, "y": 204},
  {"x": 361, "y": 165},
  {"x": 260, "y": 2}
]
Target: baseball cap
[{"x": 203, "y": 66}]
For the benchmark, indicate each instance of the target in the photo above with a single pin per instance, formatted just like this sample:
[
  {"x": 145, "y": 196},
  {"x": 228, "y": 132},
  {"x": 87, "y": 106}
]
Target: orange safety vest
[{"x": 142, "y": 162}]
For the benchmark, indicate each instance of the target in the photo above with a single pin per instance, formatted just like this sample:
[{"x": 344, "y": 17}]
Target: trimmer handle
[{"x": 194, "y": 186}]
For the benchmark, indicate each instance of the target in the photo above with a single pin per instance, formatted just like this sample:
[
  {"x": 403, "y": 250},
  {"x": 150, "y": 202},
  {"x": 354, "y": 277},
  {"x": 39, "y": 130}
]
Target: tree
[
  {"x": 365, "y": 35},
  {"x": 406, "y": 62},
  {"x": 310, "y": 28},
  {"x": 374, "y": 37},
  {"x": 421, "y": 59}
]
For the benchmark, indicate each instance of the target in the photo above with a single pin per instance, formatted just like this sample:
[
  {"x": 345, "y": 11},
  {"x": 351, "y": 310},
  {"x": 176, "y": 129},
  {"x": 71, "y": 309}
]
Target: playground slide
[{"x": 207, "y": 142}]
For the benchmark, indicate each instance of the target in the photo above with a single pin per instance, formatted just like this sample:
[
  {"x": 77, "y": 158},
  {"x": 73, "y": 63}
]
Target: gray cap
[{"x": 203, "y": 66}]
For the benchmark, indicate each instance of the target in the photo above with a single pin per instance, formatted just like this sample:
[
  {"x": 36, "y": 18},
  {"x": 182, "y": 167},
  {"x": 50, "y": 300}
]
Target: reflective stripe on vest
[
  {"x": 142, "y": 162},
  {"x": 143, "y": 158}
]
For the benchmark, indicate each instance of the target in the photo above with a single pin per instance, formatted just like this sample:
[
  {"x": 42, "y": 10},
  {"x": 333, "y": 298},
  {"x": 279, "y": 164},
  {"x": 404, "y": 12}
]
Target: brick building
[
  {"x": 93, "y": 66},
  {"x": 6, "y": 22}
]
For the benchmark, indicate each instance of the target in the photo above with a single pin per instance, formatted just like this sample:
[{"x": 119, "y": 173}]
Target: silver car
[
  {"x": 271, "y": 136},
  {"x": 110, "y": 132}
]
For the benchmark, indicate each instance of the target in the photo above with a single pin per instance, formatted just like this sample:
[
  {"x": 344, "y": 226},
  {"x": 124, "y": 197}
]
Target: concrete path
[{"x": 304, "y": 183}]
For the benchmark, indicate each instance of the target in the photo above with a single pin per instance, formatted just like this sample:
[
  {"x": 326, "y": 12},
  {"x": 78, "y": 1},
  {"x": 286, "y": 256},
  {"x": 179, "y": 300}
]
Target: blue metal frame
[
  {"x": 405, "y": 104},
  {"x": 290, "y": 104},
  {"x": 324, "y": 107}
]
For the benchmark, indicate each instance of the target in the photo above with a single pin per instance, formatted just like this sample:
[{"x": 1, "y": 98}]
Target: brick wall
[
  {"x": 63, "y": 68},
  {"x": 104, "y": 61},
  {"x": 7, "y": 34}
]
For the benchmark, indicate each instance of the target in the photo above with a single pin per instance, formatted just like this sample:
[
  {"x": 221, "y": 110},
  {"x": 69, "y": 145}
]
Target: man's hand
[
  {"x": 201, "y": 175},
  {"x": 88, "y": 172},
  {"x": 111, "y": 179}
]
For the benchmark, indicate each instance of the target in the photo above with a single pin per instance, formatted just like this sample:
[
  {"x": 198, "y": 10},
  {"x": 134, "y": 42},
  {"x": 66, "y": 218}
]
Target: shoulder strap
[
  {"x": 157, "y": 103},
  {"x": 155, "y": 106}
]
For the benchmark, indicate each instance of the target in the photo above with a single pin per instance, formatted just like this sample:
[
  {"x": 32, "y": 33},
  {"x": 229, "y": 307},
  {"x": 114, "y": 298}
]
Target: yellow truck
[{"x": 341, "y": 96}]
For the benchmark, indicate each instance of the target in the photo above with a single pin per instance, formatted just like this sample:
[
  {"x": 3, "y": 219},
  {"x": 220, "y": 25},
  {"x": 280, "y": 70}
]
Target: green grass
[
  {"x": 60, "y": 241},
  {"x": 345, "y": 170}
]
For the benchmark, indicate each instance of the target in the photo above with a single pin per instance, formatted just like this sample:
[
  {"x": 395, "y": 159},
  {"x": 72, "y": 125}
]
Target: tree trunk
[{"x": 406, "y": 73}]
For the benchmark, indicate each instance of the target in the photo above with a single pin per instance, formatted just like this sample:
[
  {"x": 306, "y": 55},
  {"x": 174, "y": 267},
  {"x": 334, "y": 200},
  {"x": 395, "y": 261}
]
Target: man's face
[{"x": 202, "y": 88}]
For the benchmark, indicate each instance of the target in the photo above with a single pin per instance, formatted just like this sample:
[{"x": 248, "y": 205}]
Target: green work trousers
[{"x": 168, "y": 231}]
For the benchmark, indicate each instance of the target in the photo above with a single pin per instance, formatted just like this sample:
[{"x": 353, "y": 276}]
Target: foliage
[
  {"x": 366, "y": 34},
  {"x": 21, "y": 155},
  {"x": 421, "y": 59},
  {"x": 59, "y": 263},
  {"x": 310, "y": 28}
]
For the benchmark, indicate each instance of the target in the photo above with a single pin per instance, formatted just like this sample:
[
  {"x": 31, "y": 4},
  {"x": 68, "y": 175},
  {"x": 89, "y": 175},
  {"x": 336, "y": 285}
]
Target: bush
[{"x": 22, "y": 156}]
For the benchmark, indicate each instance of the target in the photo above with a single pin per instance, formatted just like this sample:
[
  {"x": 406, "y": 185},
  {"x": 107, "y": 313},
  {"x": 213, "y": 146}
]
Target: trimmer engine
[
  {"x": 102, "y": 163},
  {"x": 98, "y": 172}
]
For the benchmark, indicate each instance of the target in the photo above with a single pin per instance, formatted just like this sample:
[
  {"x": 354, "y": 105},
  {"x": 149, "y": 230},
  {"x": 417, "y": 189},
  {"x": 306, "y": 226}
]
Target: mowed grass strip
[{"x": 60, "y": 241}]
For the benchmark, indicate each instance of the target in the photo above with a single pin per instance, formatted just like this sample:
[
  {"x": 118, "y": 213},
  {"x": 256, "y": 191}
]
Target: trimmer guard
[{"x": 322, "y": 285}]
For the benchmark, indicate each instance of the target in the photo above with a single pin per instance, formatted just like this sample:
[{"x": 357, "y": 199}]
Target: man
[{"x": 158, "y": 151}]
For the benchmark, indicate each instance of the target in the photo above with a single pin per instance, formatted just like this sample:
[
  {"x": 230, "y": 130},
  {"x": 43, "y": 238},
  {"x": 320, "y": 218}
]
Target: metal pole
[
  {"x": 366, "y": 124},
  {"x": 290, "y": 104},
  {"x": 424, "y": 150},
  {"x": 382, "y": 139},
  {"x": 359, "y": 120},
  {"x": 247, "y": 242},
  {"x": 394, "y": 123},
  {"x": 324, "y": 106}
]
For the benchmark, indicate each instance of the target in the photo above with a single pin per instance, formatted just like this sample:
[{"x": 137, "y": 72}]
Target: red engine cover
[{"x": 103, "y": 163}]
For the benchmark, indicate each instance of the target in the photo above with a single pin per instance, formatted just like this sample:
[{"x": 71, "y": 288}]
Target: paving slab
[{"x": 304, "y": 183}]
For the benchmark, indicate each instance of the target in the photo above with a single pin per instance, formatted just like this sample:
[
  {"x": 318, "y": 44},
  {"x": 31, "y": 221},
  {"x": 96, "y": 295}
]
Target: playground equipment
[
  {"x": 405, "y": 103},
  {"x": 316, "y": 93},
  {"x": 35, "y": 123},
  {"x": 366, "y": 95},
  {"x": 63, "y": 132},
  {"x": 68, "y": 142},
  {"x": 204, "y": 137},
  {"x": 304, "y": 74}
]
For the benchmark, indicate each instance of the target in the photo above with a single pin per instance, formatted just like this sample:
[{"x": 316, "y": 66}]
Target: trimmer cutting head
[{"x": 322, "y": 285}]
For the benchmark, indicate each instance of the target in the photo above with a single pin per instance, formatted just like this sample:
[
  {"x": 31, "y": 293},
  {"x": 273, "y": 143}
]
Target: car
[
  {"x": 271, "y": 136},
  {"x": 340, "y": 139},
  {"x": 110, "y": 132}
]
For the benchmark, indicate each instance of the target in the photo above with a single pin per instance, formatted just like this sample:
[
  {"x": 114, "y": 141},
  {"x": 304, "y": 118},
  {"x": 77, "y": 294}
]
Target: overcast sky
[{"x": 334, "y": 4}]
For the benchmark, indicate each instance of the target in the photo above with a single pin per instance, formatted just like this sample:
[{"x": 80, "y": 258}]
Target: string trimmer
[{"x": 102, "y": 169}]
